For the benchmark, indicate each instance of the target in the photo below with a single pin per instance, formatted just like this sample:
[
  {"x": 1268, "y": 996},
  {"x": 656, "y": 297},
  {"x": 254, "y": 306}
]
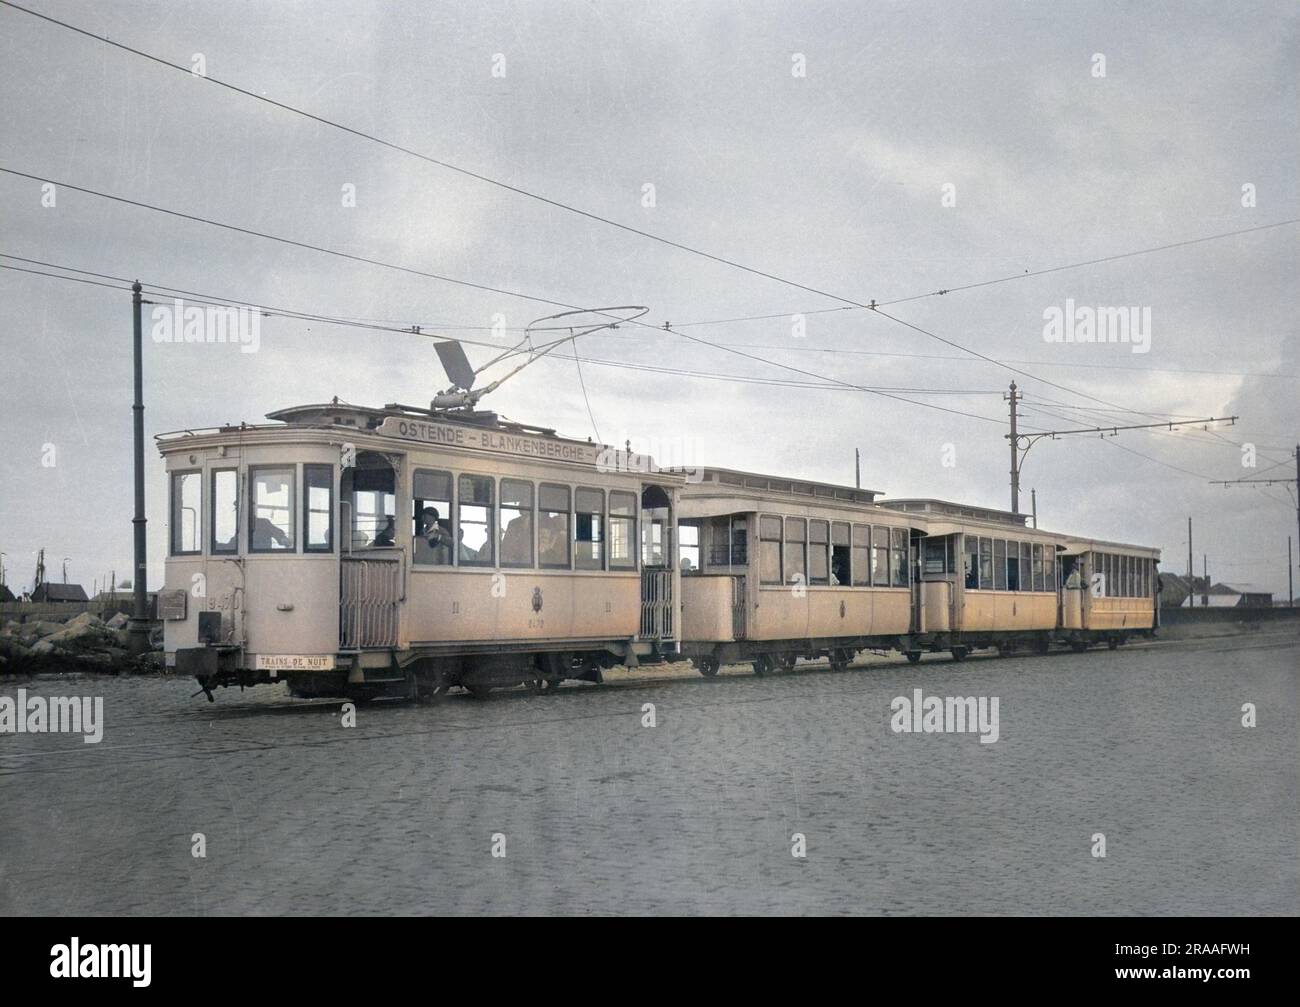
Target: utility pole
[
  {"x": 139, "y": 627},
  {"x": 1205, "y": 577},
  {"x": 1191, "y": 584},
  {"x": 1033, "y": 503},
  {"x": 1012, "y": 398},
  {"x": 1290, "y": 592},
  {"x": 1273, "y": 482},
  {"x": 857, "y": 468}
]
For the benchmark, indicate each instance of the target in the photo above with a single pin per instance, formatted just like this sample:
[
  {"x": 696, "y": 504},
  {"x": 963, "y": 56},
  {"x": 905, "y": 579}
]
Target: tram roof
[
  {"x": 716, "y": 478},
  {"x": 950, "y": 508}
]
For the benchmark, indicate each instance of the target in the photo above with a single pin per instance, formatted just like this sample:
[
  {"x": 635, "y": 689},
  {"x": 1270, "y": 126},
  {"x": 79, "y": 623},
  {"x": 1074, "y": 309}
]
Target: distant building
[
  {"x": 5, "y": 594},
  {"x": 1173, "y": 594},
  {"x": 48, "y": 592}
]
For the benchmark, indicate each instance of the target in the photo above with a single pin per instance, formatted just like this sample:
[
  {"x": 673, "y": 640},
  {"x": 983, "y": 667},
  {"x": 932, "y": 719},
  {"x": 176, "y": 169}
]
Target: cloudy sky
[{"x": 870, "y": 151}]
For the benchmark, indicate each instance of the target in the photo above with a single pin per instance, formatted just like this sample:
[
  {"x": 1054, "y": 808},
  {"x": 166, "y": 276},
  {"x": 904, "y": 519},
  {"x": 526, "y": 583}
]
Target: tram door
[
  {"x": 657, "y": 567},
  {"x": 371, "y": 569},
  {"x": 1070, "y": 590}
]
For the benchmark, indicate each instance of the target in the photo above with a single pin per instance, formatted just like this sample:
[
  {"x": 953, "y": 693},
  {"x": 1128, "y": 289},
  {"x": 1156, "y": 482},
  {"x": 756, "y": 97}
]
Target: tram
[{"x": 403, "y": 552}]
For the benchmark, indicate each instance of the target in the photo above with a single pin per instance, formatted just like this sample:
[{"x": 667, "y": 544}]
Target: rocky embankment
[{"x": 83, "y": 643}]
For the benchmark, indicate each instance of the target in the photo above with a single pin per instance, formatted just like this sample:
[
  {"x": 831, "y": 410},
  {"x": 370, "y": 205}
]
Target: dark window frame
[
  {"x": 567, "y": 537},
  {"x": 253, "y": 472},
  {"x": 634, "y": 541},
  {"x": 532, "y": 523},
  {"x": 307, "y": 512},
  {"x": 233, "y": 548},
  {"x": 490, "y": 507},
  {"x": 779, "y": 541},
  {"x": 601, "y": 564},
  {"x": 175, "y": 527}
]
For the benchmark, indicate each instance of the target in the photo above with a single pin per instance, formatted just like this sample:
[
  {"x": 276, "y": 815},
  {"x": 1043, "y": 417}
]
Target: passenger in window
[
  {"x": 687, "y": 565},
  {"x": 268, "y": 535},
  {"x": 517, "y": 541},
  {"x": 386, "y": 534},
  {"x": 434, "y": 536}
]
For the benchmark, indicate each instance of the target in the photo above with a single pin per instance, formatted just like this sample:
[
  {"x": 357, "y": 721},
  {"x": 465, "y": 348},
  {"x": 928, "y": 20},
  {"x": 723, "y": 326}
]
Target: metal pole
[
  {"x": 1290, "y": 592},
  {"x": 1191, "y": 570},
  {"x": 139, "y": 628},
  {"x": 1205, "y": 576},
  {"x": 1033, "y": 503},
  {"x": 857, "y": 468},
  {"x": 1015, "y": 463}
]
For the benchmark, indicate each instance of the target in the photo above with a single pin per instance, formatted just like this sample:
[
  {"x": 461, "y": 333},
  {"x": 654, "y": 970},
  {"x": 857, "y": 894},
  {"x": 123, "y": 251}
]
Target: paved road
[{"x": 694, "y": 815}]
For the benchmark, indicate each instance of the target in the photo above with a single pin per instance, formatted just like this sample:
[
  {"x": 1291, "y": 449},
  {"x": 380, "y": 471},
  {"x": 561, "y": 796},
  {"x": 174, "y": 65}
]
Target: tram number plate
[{"x": 295, "y": 662}]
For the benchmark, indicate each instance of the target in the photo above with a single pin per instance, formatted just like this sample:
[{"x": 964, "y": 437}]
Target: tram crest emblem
[{"x": 537, "y": 599}]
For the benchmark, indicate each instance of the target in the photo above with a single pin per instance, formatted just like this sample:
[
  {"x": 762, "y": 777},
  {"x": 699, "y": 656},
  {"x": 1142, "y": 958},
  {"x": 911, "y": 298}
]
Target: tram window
[
  {"x": 840, "y": 553},
  {"x": 271, "y": 509},
  {"x": 900, "y": 573},
  {"x": 818, "y": 555},
  {"x": 318, "y": 508},
  {"x": 986, "y": 564},
  {"x": 187, "y": 513},
  {"x": 861, "y": 555},
  {"x": 1026, "y": 567},
  {"x": 474, "y": 538},
  {"x": 622, "y": 530},
  {"x": 225, "y": 511},
  {"x": 368, "y": 491},
  {"x": 688, "y": 546},
  {"x": 431, "y": 517},
  {"x": 999, "y": 564},
  {"x": 769, "y": 550},
  {"x": 516, "y": 523},
  {"x": 880, "y": 556},
  {"x": 1013, "y": 566},
  {"x": 553, "y": 526},
  {"x": 971, "y": 558},
  {"x": 934, "y": 560},
  {"x": 796, "y": 565},
  {"x": 1037, "y": 567},
  {"x": 589, "y": 529},
  {"x": 1108, "y": 568}
]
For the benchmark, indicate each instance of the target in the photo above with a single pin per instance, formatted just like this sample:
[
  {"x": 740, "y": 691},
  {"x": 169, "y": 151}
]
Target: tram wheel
[
  {"x": 763, "y": 664},
  {"x": 477, "y": 689},
  {"x": 913, "y": 657},
  {"x": 707, "y": 666},
  {"x": 959, "y": 653},
  {"x": 1079, "y": 646},
  {"x": 1113, "y": 642}
]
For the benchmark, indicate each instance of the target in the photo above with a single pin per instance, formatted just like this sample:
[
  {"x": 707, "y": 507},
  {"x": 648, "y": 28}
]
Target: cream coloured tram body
[
  {"x": 395, "y": 551},
  {"x": 304, "y": 550},
  {"x": 786, "y": 568}
]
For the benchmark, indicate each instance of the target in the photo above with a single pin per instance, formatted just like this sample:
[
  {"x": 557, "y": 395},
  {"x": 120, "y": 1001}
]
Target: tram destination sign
[{"x": 521, "y": 445}]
